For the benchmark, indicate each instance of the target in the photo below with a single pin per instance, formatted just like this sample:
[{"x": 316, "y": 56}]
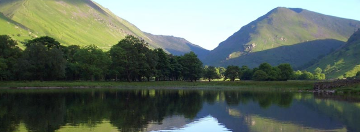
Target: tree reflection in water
[{"x": 134, "y": 110}]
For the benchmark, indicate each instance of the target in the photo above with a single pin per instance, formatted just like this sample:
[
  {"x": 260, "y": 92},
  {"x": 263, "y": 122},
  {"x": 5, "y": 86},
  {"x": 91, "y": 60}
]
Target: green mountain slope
[
  {"x": 71, "y": 22},
  {"x": 344, "y": 62},
  {"x": 281, "y": 27}
]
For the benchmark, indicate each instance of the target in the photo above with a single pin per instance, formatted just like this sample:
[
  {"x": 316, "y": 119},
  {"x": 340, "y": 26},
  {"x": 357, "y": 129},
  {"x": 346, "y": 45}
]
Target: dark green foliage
[
  {"x": 93, "y": 62},
  {"x": 306, "y": 76},
  {"x": 42, "y": 60},
  {"x": 9, "y": 53},
  {"x": 192, "y": 66},
  {"x": 134, "y": 60},
  {"x": 163, "y": 65},
  {"x": 232, "y": 72},
  {"x": 210, "y": 73},
  {"x": 175, "y": 68},
  {"x": 260, "y": 75},
  {"x": 46, "y": 41},
  {"x": 266, "y": 67},
  {"x": 246, "y": 73},
  {"x": 286, "y": 72},
  {"x": 72, "y": 68}
]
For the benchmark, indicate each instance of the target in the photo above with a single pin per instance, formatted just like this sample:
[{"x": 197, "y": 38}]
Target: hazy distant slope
[
  {"x": 177, "y": 46},
  {"x": 72, "y": 22},
  {"x": 344, "y": 62},
  {"x": 280, "y": 27}
]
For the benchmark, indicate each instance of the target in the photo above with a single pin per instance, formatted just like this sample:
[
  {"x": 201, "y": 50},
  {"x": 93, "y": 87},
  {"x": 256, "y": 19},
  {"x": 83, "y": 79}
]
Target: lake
[{"x": 181, "y": 110}]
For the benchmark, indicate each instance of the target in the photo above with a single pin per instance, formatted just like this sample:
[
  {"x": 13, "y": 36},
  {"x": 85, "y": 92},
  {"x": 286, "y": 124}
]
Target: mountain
[
  {"x": 74, "y": 22},
  {"x": 284, "y": 35},
  {"x": 343, "y": 62},
  {"x": 176, "y": 45}
]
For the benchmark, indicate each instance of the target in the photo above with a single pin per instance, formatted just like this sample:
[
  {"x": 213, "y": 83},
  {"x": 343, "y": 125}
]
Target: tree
[
  {"x": 93, "y": 62},
  {"x": 46, "y": 41},
  {"x": 163, "y": 65},
  {"x": 297, "y": 75},
  {"x": 175, "y": 68},
  {"x": 266, "y": 67},
  {"x": 306, "y": 76},
  {"x": 232, "y": 72},
  {"x": 358, "y": 75},
  {"x": 210, "y": 73},
  {"x": 260, "y": 75},
  {"x": 192, "y": 66},
  {"x": 134, "y": 58},
  {"x": 9, "y": 55},
  {"x": 318, "y": 75},
  {"x": 42, "y": 60},
  {"x": 286, "y": 72},
  {"x": 246, "y": 73},
  {"x": 152, "y": 62},
  {"x": 116, "y": 55},
  {"x": 221, "y": 71},
  {"x": 72, "y": 70}
]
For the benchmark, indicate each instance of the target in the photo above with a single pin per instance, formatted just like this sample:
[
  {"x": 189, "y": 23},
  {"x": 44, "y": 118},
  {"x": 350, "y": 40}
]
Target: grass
[{"x": 288, "y": 85}]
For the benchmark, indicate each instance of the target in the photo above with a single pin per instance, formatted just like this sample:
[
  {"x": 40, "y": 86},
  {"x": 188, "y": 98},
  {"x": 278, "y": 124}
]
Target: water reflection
[{"x": 172, "y": 110}]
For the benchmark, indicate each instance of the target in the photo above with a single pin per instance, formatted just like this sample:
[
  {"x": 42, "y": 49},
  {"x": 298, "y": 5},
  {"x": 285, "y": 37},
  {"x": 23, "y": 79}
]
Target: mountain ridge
[
  {"x": 280, "y": 27},
  {"x": 71, "y": 22}
]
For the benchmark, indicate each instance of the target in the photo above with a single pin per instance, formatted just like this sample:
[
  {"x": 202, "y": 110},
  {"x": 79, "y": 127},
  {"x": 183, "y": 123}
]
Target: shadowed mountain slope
[{"x": 280, "y": 27}]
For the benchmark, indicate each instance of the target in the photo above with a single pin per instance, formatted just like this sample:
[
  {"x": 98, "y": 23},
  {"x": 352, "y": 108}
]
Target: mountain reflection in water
[{"x": 172, "y": 110}]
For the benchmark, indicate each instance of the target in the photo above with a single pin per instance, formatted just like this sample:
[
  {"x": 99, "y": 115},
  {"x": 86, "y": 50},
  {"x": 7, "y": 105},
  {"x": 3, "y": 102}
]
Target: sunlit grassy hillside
[
  {"x": 72, "y": 22},
  {"x": 344, "y": 62}
]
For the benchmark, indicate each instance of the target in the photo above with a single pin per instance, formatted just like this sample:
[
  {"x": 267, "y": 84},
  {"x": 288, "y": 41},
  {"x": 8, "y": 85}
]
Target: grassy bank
[{"x": 166, "y": 84}]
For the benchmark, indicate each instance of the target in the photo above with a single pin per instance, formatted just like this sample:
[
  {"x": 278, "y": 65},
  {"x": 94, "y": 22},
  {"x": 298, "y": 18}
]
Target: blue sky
[{"x": 209, "y": 22}]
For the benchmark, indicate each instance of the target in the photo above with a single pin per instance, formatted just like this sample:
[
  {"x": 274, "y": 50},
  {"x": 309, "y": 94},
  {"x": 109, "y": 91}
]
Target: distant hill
[
  {"x": 73, "y": 22},
  {"x": 284, "y": 35},
  {"x": 177, "y": 46},
  {"x": 344, "y": 62}
]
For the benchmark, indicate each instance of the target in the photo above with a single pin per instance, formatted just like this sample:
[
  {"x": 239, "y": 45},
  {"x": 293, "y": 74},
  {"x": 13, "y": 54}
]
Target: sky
[{"x": 209, "y": 22}]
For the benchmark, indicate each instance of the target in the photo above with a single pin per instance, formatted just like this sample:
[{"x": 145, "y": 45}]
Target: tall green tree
[
  {"x": 192, "y": 66},
  {"x": 163, "y": 65},
  {"x": 72, "y": 70},
  {"x": 232, "y": 72},
  {"x": 246, "y": 73},
  {"x": 134, "y": 59},
  {"x": 43, "y": 60},
  {"x": 286, "y": 72},
  {"x": 175, "y": 68},
  {"x": 210, "y": 73},
  {"x": 116, "y": 55},
  {"x": 9, "y": 55},
  {"x": 93, "y": 62}
]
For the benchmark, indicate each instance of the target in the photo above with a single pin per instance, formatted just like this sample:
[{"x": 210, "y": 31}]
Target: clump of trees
[
  {"x": 131, "y": 59},
  {"x": 305, "y": 75},
  {"x": 266, "y": 72}
]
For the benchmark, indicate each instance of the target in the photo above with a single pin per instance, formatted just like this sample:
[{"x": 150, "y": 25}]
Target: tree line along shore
[{"x": 131, "y": 59}]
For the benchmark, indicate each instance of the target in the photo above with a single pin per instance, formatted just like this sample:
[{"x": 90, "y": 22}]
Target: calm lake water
[{"x": 114, "y": 110}]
